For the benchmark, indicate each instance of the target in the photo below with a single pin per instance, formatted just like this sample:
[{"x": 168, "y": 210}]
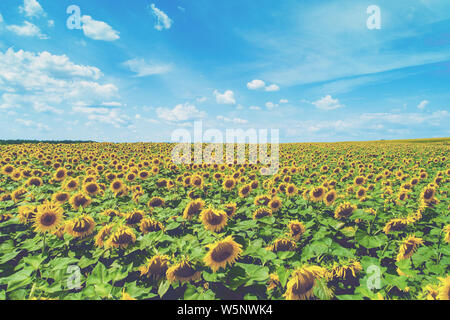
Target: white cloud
[
  {"x": 112, "y": 104},
  {"x": 272, "y": 87},
  {"x": 163, "y": 21},
  {"x": 181, "y": 112},
  {"x": 225, "y": 98},
  {"x": 284, "y": 101},
  {"x": 143, "y": 68},
  {"x": 327, "y": 103},
  {"x": 49, "y": 83},
  {"x": 271, "y": 105},
  {"x": 201, "y": 99},
  {"x": 51, "y": 23},
  {"x": 103, "y": 115},
  {"x": 27, "y": 30},
  {"x": 256, "y": 84},
  {"x": 255, "y": 108},
  {"x": 423, "y": 104},
  {"x": 98, "y": 30},
  {"x": 37, "y": 125},
  {"x": 1, "y": 19},
  {"x": 233, "y": 120},
  {"x": 31, "y": 8}
]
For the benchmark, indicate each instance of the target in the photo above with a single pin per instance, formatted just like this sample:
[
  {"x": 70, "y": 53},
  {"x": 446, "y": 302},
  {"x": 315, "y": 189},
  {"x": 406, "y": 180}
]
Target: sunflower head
[
  {"x": 408, "y": 247},
  {"x": 156, "y": 202},
  {"x": 296, "y": 229},
  {"x": 261, "y": 213},
  {"x": 193, "y": 209},
  {"x": 183, "y": 271},
  {"x": 156, "y": 267},
  {"x": 149, "y": 225},
  {"x": 214, "y": 220},
  {"x": 282, "y": 244},
  {"x": 48, "y": 217},
  {"x": 134, "y": 217},
  {"x": 121, "y": 238},
  {"x": 221, "y": 253},
  {"x": 330, "y": 197},
  {"x": 81, "y": 226},
  {"x": 230, "y": 209},
  {"x": 344, "y": 210},
  {"x": 275, "y": 204},
  {"x": 80, "y": 200},
  {"x": 302, "y": 282}
]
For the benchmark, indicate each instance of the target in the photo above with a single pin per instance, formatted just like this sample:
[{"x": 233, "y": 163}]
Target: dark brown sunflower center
[
  {"x": 184, "y": 271},
  {"x": 222, "y": 252},
  {"x": 48, "y": 219}
]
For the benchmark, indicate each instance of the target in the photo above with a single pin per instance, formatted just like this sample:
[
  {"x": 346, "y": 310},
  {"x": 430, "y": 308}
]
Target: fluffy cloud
[
  {"x": 284, "y": 101},
  {"x": 162, "y": 20},
  {"x": 181, "y": 112},
  {"x": 98, "y": 30},
  {"x": 47, "y": 83},
  {"x": 32, "y": 124},
  {"x": 272, "y": 87},
  {"x": 143, "y": 68},
  {"x": 225, "y": 98},
  {"x": 27, "y": 29},
  {"x": 256, "y": 84},
  {"x": 255, "y": 108},
  {"x": 423, "y": 104},
  {"x": 110, "y": 116},
  {"x": 271, "y": 105},
  {"x": 327, "y": 103},
  {"x": 233, "y": 120},
  {"x": 31, "y": 8}
]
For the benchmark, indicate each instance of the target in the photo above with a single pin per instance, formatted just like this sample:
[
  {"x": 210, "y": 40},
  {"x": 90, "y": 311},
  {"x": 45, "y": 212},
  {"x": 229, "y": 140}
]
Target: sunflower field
[{"x": 122, "y": 221}]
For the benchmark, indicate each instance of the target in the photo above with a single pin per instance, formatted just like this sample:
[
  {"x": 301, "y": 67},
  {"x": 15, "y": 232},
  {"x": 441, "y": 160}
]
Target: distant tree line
[{"x": 3, "y": 142}]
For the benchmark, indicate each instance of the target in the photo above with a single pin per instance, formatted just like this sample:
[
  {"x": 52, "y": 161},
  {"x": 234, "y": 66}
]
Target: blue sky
[{"x": 138, "y": 70}]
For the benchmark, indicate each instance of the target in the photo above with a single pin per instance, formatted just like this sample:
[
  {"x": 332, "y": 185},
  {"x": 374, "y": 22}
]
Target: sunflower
[
  {"x": 408, "y": 247},
  {"x": 261, "y": 213},
  {"x": 27, "y": 214},
  {"x": 155, "y": 202},
  {"x": 117, "y": 186},
  {"x": 60, "y": 197},
  {"x": 7, "y": 169},
  {"x": 447, "y": 233},
  {"x": 330, "y": 197},
  {"x": 60, "y": 174},
  {"x": 126, "y": 296},
  {"x": 296, "y": 229},
  {"x": 359, "y": 181},
  {"x": 274, "y": 282},
  {"x": 344, "y": 210},
  {"x": 228, "y": 183},
  {"x": 302, "y": 282},
  {"x": 149, "y": 225},
  {"x": 444, "y": 289},
  {"x": 121, "y": 238},
  {"x": 144, "y": 174},
  {"x": 71, "y": 185},
  {"x": 111, "y": 213},
  {"x": 291, "y": 190},
  {"x": 230, "y": 209},
  {"x": 197, "y": 181},
  {"x": 275, "y": 204},
  {"x": 214, "y": 220},
  {"x": 80, "y": 200},
  {"x": 102, "y": 235},
  {"x": 80, "y": 227},
  {"x": 262, "y": 200},
  {"x": 244, "y": 191},
  {"x": 92, "y": 189},
  {"x": 183, "y": 272},
  {"x": 193, "y": 208},
  {"x": 361, "y": 193},
  {"x": 5, "y": 217},
  {"x": 156, "y": 267},
  {"x": 34, "y": 181},
  {"x": 18, "y": 195},
  {"x": 396, "y": 224},
  {"x": 221, "y": 253},
  {"x": 427, "y": 194},
  {"x": 345, "y": 271},
  {"x": 317, "y": 194},
  {"x": 282, "y": 244}
]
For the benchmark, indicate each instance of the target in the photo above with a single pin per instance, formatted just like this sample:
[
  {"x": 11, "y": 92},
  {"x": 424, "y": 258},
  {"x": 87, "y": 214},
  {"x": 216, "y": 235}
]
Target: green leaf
[{"x": 163, "y": 287}]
